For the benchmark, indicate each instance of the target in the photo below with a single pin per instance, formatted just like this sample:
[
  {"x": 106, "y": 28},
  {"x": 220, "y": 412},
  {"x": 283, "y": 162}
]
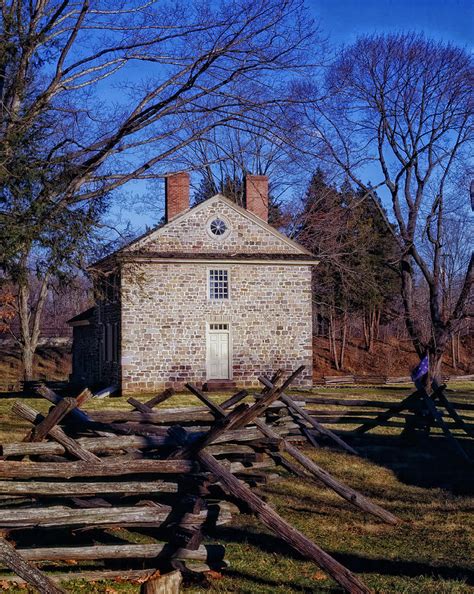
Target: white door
[{"x": 218, "y": 351}]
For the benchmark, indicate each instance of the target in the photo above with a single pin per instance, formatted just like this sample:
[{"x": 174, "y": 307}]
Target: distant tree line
[{"x": 238, "y": 87}]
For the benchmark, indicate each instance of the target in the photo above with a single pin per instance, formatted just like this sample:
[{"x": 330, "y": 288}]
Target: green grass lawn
[{"x": 432, "y": 550}]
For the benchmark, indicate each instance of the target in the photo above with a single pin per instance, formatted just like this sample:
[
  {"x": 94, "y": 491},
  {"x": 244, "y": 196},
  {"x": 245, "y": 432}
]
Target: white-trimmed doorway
[{"x": 219, "y": 349}]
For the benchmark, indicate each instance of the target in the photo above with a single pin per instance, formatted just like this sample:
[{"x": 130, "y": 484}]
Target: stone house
[{"x": 215, "y": 295}]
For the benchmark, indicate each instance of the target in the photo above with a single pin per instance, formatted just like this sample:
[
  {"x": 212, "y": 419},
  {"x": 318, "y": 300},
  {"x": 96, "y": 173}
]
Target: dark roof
[
  {"x": 237, "y": 256},
  {"x": 83, "y": 316}
]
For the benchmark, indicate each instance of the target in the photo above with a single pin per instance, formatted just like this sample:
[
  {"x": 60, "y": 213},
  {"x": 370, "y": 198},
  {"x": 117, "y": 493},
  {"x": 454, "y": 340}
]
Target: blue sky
[{"x": 342, "y": 21}]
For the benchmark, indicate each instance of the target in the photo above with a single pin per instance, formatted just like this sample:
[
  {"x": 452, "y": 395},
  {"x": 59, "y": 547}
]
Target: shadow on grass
[
  {"x": 428, "y": 462},
  {"x": 355, "y": 563},
  {"x": 279, "y": 583}
]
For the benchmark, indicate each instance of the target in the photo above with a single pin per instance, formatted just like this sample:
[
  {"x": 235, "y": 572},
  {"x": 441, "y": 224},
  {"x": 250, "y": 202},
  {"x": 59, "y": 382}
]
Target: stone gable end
[{"x": 189, "y": 233}]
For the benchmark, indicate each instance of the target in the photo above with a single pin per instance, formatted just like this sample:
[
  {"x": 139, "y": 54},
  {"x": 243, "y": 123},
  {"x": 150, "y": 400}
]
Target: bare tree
[
  {"x": 399, "y": 107},
  {"x": 77, "y": 122}
]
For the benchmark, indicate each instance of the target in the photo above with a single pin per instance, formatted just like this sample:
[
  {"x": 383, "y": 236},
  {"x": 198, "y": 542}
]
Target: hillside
[
  {"x": 389, "y": 358},
  {"x": 51, "y": 362}
]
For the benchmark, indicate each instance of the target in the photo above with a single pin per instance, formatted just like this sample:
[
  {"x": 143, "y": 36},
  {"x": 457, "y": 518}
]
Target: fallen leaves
[
  {"x": 319, "y": 576},
  {"x": 214, "y": 575}
]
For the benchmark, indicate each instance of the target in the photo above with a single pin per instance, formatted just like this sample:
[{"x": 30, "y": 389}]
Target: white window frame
[{"x": 216, "y": 299}]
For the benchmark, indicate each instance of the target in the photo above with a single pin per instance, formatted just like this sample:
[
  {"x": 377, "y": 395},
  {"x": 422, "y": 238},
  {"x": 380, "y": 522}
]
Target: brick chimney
[
  {"x": 256, "y": 195},
  {"x": 176, "y": 194}
]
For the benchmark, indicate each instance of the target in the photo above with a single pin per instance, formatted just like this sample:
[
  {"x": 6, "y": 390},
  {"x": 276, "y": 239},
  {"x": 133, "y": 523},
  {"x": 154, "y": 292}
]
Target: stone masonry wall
[
  {"x": 164, "y": 318},
  {"x": 188, "y": 234}
]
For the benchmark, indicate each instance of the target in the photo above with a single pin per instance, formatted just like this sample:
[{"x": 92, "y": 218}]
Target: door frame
[{"x": 208, "y": 347}]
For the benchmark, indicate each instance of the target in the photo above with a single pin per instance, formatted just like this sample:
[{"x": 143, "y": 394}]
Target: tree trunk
[
  {"x": 436, "y": 351},
  {"x": 370, "y": 325},
  {"x": 365, "y": 328},
  {"x": 343, "y": 341},
  {"x": 436, "y": 361},
  {"x": 27, "y": 354},
  {"x": 407, "y": 289},
  {"x": 332, "y": 340},
  {"x": 30, "y": 316},
  {"x": 377, "y": 323}
]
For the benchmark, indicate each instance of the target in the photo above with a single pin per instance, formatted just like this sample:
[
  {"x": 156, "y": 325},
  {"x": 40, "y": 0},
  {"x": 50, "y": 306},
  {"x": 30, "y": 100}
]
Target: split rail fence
[
  {"x": 381, "y": 380},
  {"x": 80, "y": 482},
  {"x": 351, "y": 411}
]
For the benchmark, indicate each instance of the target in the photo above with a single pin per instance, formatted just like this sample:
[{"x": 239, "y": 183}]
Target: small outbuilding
[{"x": 215, "y": 295}]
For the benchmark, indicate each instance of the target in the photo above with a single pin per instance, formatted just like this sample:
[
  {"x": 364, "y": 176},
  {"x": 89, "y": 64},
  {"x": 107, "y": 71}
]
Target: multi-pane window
[
  {"x": 218, "y": 326},
  {"x": 218, "y": 284}
]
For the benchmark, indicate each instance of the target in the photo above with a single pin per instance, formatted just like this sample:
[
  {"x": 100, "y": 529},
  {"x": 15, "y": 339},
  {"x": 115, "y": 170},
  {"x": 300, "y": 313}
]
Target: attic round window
[{"x": 218, "y": 227}]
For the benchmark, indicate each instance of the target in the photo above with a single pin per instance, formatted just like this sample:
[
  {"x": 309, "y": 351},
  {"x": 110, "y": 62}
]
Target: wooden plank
[
  {"x": 351, "y": 402},
  {"x": 303, "y": 429},
  {"x": 161, "y": 417},
  {"x": 79, "y": 417},
  {"x": 338, "y": 379},
  {"x": 114, "y": 467},
  {"x": 438, "y": 419},
  {"x": 315, "y": 424},
  {"x": 71, "y": 445},
  {"x": 83, "y": 397},
  {"x": 159, "y": 398},
  {"x": 49, "y": 517},
  {"x": 26, "y": 571},
  {"x": 102, "y": 445},
  {"x": 238, "y": 418},
  {"x": 219, "y": 428},
  {"x": 203, "y": 553},
  {"x": 149, "y": 404},
  {"x": 207, "y": 401},
  {"x": 53, "y": 418},
  {"x": 137, "y": 405},
  {"x": 267, "y": 399},
  {"x": 289, "y": 465},
  {"x": 95, "y": 445},
  {"x": 50, "y": 395},
  {"x": 85, "y": 489},
  {"x": 388, "y": 414},
  {"x": 235, "y": 399},
  {"x": 444, "y": 401},
  {"x": 274, "y": 522},
  {"x": 91, "y": 576},
  {"x": 343, "y": 490}
]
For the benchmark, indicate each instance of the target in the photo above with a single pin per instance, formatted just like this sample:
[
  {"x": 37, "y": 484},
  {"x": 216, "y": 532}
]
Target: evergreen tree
[
  {"x": 207, "y": 188},
  {"x": 356, "y": 276}
]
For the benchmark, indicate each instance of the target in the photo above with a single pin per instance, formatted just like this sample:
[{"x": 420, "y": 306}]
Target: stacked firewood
[{"x": 80, "y": 484}]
